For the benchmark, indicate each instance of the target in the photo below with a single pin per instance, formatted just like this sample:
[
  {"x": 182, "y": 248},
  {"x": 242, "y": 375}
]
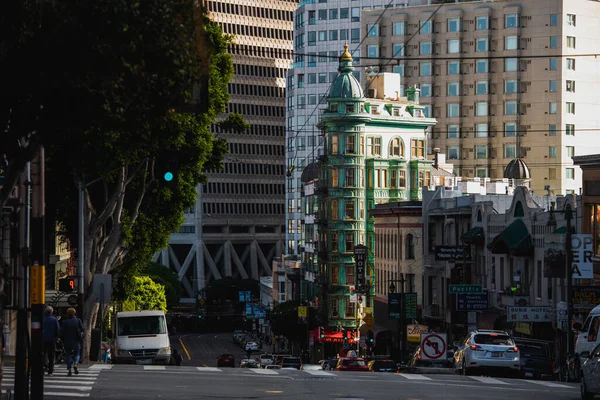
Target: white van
[
  {"x": 588, "y": 337},
  {"x": 141, "y": 337}
]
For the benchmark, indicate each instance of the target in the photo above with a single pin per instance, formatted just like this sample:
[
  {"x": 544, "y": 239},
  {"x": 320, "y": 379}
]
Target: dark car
[
  {"x": 226, "y": 360},
  {"x": 383, "y": 365},
  {"x": 537, "y": 359},
  {"x": 291, "y": 362}
]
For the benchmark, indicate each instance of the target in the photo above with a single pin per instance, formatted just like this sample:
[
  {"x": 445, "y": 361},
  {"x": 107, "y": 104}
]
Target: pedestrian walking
[
  {"x": 72, "y": 333},
  {"x": 178, "y": 358},
  {"x": 51, "y": 335}
]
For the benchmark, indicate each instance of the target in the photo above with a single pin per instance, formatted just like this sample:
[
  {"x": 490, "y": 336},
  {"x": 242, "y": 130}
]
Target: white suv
[
  {"x": 265, "y": 360},
  {"x": 487, "y": 349}
]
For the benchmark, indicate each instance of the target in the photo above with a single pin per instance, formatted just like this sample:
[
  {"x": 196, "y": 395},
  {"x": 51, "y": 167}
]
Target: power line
[{"x": 452, "y": 58}]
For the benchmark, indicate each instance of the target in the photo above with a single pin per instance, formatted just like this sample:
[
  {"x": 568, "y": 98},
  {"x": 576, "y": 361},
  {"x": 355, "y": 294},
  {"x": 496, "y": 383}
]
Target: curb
[{"x": 431, "y": 371}]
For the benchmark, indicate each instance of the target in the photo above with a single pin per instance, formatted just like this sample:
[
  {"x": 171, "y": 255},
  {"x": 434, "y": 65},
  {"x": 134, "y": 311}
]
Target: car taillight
[
  {"x": 513, "y": 349},
  {"x": 476, "y": 347},
  {"x": 419, "y": 357}
]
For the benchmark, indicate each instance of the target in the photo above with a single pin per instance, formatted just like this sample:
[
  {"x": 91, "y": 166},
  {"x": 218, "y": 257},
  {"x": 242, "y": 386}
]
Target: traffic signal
[
  {"x": 370, "y": 338},
  {"x": 321, "y": 333},
  {"x": 344, "y": 334},
  {"x": 67, "y": 284}
]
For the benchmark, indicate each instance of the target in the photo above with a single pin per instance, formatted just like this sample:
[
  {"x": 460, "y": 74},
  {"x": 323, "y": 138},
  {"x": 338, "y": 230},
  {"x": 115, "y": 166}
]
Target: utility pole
[
  {"x": 568, "y": 244},
  {"x": 464, "y": 281},
  {"x": 21, "y": 384},
  {"x": 80, "y": 245}
]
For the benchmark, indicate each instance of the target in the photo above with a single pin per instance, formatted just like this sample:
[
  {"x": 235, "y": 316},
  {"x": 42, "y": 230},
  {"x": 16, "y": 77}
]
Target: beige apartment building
[{"x": 505, "y": 79}]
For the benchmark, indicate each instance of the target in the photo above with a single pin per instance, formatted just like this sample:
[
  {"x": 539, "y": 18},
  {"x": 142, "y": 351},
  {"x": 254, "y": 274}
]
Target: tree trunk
[{"x": 90, "y": 314}]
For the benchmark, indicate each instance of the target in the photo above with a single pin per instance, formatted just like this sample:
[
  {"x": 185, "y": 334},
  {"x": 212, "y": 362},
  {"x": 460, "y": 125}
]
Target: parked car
[
  {"x": 291, "y": 362},
  {"x": 536, "y": 357},
  {"x": 487, "y": 349},
  {"x": 416, "y": 360},
  {"x": 382, "y": 365},
  {"x": 265, "y": 359},
  {"x": 226, "y": 360},
  {"x": 251, "y": 346},
  {"x": 249, "y": 363},
  {"x": 590, "y": 374},
  {"x": 311, "y": 367},
  {"x": 351, "y": 364}
]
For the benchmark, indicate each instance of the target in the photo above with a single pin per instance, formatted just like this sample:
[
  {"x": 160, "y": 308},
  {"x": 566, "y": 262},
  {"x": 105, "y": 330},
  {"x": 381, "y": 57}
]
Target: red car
[
  {"x": 351, "y": 364},
  {"x": 226, "y": 360}
]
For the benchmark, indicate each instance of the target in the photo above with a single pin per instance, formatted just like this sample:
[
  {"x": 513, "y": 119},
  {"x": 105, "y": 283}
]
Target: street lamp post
[{"x": 402, "y": 322}]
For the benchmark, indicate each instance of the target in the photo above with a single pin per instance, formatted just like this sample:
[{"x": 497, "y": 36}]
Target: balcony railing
[{"x": 433, "y": 311}]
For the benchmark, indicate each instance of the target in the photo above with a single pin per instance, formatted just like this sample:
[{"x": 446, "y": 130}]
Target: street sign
[
  {"x": 102, "y": 288},
  {"x": 37, "y": 282},
  {"x": 472, "y": 301},
  {"x": 433, "y": 345},
  {"x": 302, "y": 314},
  {"x": 529, "y": 314},
  {"x": 452, "y": 253},
  {"x": 395, "y": 305},
  {"x": 369, "y": 321},
  {"x": 360, "y": 257},
  {"x": 245, "y": 296},
  {"x": 455, "y": 289},
  {"x": 72, "y": 300},
  {"x": 410, "y": 305}
]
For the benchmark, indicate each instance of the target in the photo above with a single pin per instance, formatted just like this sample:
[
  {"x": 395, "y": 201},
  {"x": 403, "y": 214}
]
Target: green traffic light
[{"x": 168, "y": 176}]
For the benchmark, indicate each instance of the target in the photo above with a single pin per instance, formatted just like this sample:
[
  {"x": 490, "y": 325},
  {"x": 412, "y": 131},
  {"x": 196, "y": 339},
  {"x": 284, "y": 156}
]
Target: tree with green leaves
[
  {"x": 116, "y": 92},
  {"x": 166, "y": 277},
  {"x": 146, "y": 295}
]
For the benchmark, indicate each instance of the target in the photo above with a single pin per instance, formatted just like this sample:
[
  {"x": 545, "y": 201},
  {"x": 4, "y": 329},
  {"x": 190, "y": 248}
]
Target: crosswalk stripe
[
  {"x": 488, "y": 380},
  {"x": 155, "y": 367},
  {"x": 320, "y": 373},
  {"x": 64, "y": 382},
  {"x": 66, "y": 394},
  {"x": 80, "y": 388},
  {"x": 209, "y": 369},
  {"x": 262, "y": 371},
  {"x": 416, "y": 377},
  {"x": 549, "y": 384},
  {"x": 100, "y": 366}
]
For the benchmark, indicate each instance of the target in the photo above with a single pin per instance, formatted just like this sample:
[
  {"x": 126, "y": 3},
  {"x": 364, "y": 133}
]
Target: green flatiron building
[{"x": 376, "y": 153}]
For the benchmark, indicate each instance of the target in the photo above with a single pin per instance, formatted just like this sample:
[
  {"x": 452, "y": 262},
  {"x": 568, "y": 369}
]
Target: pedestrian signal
[{"x": 67, "y": 284}]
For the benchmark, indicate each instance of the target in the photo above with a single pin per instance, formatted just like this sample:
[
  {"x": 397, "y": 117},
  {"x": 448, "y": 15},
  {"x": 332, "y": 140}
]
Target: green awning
[
  {"x": 475, "y": 235},
  {"x": 560, "y": 231},
  {"x": 514, "y": 239}
]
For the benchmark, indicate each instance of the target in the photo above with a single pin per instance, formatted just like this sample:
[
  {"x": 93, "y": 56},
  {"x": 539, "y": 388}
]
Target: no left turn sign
[{"x": 433, "y": 345}]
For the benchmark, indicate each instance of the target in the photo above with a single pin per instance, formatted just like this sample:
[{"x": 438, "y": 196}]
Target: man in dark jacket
[
  {"x": 51, "y": 335},
  {"x": 72, "y": 332}
]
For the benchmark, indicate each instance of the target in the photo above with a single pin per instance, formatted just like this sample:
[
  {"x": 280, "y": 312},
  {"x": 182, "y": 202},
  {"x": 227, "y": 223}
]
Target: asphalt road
[
  {"x": 203, "y": 349},
  {"x": 132, "y": 382}
]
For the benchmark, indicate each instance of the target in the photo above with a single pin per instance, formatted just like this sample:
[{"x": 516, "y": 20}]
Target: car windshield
[
  {"x": 533, "y": 350},
  {"x": 353, "y": 363},
  {"x": 265, "y": 356},
  {"x": 291, "y": 360},
  {"x": 142, "y": 325},
  {"x": 502, "y": 340}
]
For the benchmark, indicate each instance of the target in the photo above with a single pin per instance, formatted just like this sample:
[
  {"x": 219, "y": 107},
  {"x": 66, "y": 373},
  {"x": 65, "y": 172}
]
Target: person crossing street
[
  {"x": 72, "y": 333},
  {"x": 51, "y": 335}
]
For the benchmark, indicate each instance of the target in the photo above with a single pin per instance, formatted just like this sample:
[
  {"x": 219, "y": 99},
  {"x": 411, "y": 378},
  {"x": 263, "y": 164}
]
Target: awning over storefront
[
  {"x": 335, "y": 337},
  {"x": 514, "y": 239},
  {"x": 474, "y": 236}
]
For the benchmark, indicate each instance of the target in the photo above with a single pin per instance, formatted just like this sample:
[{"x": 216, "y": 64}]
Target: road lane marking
[
  {"x": 155, "y": 367},
  {"x": 488, "y": 380},
  {"x": 320, "y": 373},
  {"x": 185, "y": 349},
  {"x": 548, "y": 384},
  {"x": 64, "y": 394},
  {"x": 209, "y": 369},
  {"x": 264, "y": 371},
  {"x": 416, "y": 377},
  {"x": 101, "y": 366}
]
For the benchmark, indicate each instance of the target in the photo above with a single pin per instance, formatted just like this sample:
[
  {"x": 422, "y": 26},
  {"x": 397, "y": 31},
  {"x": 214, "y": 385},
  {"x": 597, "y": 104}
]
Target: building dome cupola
[
  {"x": 345, "y": 85},
  {"x": 517, "y": 169}
]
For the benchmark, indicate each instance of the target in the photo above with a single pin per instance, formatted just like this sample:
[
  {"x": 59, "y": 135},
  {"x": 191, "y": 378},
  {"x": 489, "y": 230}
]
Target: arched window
[
  {"x": 479, "y": 217},
  {"x": 396, "y": 148},
  {"x": 410, "y": 247},
  {"x": 519, "y": 210}
]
